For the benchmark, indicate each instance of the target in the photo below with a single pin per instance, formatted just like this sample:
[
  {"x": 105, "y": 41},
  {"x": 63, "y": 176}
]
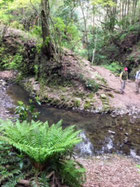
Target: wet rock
[
  {"x": 3, "y": 83},
  {"x": 111, "y": 132},
  {"x": 132, "y": 111}
]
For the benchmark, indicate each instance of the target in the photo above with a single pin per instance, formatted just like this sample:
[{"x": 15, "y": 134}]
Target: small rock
[
  {"x": 111, "y": 132},
  {"x": 103, "y": 96}
]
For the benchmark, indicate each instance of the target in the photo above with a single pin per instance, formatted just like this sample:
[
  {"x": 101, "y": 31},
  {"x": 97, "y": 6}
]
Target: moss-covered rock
[
  {"x": 77, "y": 102},
  {"x": 105, "y": 102},
  {"x": 87, "y": 105}
]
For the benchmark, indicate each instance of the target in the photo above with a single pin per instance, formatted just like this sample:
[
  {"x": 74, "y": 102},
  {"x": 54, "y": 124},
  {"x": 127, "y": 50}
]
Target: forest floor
[{"x": 111, "y": 171}]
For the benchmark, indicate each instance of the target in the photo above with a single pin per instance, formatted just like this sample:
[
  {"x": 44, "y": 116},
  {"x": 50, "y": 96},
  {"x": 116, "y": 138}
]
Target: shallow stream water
[{"x": 101, "y": 133}]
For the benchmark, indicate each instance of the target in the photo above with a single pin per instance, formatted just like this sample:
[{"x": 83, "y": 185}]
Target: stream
[{"x": 101, "y": 133}]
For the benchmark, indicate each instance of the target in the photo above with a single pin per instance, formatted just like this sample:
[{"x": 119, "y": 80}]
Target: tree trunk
[
  {"x": 47, "y": 47},
  {"x": 94, "y": 49},
  {"x": 85, "y": 27}
]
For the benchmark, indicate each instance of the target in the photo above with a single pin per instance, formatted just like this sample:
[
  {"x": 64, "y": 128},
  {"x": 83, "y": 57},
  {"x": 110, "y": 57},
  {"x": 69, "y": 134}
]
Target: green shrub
[
  {"x": 12, "y": 167},
  {"x": 15, "y": 166},
  {"x": 12, "y": 62},
  {"x": 16, "y": 62},
  {"x": 36, "y": 30},
  {"x": 92, "y": 85},
  {"x": 87, "y": 105},
  {"x": 77, "y": 103},
  {"x": 71, "y": 175},
  {"x": 26, "y": 112},
  {"x": 123, "y": 36},
  {"x": 114, "y": 67},
  {"x": 36, "y": 70},
  {"x": 16, "y": 25}
]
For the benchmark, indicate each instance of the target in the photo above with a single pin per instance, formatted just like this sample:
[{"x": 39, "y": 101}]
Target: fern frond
[
  {"x": 72, "y": 173},
  {"x": 39, "y": 141}
]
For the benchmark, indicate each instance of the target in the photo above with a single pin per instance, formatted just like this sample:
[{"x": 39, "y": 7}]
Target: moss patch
[{"x": 105, "y": 102}]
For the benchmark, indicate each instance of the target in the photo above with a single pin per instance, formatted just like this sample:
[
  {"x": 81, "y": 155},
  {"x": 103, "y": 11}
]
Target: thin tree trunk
[
  {"x": 47, "y": 47},
  {"x": 94, "y": 49},
  {"x": 85, "y": 26},
  {"x": 135, "y": 7}
]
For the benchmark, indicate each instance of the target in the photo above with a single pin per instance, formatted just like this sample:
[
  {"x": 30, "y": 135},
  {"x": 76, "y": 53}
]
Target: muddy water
[{"x": 101, "y": 133}]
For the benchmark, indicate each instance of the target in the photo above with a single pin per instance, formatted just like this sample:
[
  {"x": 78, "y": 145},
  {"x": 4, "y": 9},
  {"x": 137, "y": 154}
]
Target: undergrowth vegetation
[
  {"x": 115, "y": 67},
  {"x": 26, "y": 112},
  {"x": 39, "y": 153}
]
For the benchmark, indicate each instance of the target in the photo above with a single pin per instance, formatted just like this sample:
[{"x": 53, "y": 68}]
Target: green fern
[
  {"x": 72, "y": 173},
  {"x": 10, "y": 166},
  {"x": 48, "y": 148},
  {"x": 39, "y": 140}
]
